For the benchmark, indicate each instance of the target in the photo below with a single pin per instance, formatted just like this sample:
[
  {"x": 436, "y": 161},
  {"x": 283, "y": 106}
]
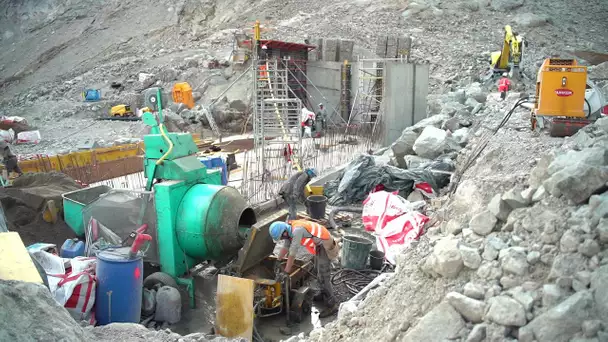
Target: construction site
[{"x": 209, "y": 170}]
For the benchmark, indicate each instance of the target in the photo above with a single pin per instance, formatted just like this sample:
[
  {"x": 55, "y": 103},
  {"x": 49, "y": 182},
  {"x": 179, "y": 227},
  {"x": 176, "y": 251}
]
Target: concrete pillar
[
  {"x": 381, "y": 47},
  {"x": 346, "y": 50},
  {"x": 330, "y": 50}
]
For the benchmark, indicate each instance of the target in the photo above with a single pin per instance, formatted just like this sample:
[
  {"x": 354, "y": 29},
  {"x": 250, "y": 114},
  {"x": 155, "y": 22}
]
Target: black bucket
[
  {"x": 316, "y": 206},
  {"x": 376, "y": 259}
]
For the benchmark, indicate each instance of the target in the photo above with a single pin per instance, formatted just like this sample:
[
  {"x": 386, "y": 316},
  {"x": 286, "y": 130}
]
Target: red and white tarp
[{"x": 393, "y": 221}]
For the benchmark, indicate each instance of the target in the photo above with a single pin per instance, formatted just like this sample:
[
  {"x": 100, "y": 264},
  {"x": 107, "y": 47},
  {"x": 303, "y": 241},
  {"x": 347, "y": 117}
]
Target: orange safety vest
[
  {"x": 263, "y": 71},
  {"x": 503, "y": 84},
  {"x": 315, "y": 230}
]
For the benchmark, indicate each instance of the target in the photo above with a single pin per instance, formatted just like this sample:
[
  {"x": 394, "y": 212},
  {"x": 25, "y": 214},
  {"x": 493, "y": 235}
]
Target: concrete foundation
[
  {"x": 406, "y": 89},
  {"x": 330, "y": 50}
]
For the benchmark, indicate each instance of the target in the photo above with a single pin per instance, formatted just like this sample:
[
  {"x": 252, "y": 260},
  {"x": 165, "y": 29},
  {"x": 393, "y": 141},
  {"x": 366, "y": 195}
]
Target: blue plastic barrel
[
  {"x": 119, "y": 287},
  {"x": 72, "y": 248},
  {"x": 216, "y": 163}
]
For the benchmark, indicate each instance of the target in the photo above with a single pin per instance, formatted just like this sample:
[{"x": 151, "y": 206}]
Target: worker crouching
[
  {"x": 292, "y": 191},
  {"x": 317, "y": 241},
  {"x": 503, "y": 85}
]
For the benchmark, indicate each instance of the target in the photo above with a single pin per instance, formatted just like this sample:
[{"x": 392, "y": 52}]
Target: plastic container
[
  {"x": 316, "y": 206},
  {"x": 376, "y": 260},
  {"x": 216, "y": 163},
  {"x": 72, "y": 248},
  {"x": 355, "y": 250},
  {"x": 75, "y": 201},
  {"x": 119, "y": 286}
]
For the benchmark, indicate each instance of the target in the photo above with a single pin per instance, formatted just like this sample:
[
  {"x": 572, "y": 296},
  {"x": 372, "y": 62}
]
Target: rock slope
[{"x": 519, "y": 251}]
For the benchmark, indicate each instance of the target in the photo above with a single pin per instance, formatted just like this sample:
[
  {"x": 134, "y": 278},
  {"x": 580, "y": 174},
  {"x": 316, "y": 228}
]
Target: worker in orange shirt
[
  {"x": 316, "y": 240},
  {"x": 503, "y": 85}
]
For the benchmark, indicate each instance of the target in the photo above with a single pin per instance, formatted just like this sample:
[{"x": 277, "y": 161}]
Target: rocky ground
[
  {"x": 518, "y": 251},
  {"x": 52, "y": 50},
  {"x": 30, "y": 313}
]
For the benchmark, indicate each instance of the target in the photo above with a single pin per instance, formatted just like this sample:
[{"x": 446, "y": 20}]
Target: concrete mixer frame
[{"x": 198, "y": 219}]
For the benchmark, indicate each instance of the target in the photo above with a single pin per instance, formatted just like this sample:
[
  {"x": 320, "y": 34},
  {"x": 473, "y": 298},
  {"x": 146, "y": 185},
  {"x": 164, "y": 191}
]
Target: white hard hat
[
  {"x": 504, "y": 74},
  {"x": 264, "y": 47},
  {"x": 320, "y": 104}
]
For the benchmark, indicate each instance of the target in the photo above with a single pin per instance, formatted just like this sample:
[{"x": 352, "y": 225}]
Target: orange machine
[
  {"x": 182, "y": 93},
  {"x": 560, "y": 96}
]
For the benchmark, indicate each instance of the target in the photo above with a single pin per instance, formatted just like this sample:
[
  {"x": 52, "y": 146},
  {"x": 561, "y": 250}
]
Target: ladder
[{"x": 211, "y": 120}]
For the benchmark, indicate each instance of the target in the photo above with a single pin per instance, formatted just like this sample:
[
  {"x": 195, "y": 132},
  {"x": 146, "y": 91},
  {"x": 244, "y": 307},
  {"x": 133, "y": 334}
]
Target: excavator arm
[
  {"x": 503, "y": 62},
  {"x": 509, "y": 57}
]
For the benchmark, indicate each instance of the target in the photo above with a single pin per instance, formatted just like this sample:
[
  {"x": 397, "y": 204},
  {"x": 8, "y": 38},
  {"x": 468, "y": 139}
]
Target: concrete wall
[
  {"x": 327, "y": 78},
  {"x": 405, "y": 92}
]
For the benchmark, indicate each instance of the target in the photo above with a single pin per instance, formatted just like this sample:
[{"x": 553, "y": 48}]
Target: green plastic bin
[
  {"x": 75, "y": 201},
  {"x": 355, "y": 250}
]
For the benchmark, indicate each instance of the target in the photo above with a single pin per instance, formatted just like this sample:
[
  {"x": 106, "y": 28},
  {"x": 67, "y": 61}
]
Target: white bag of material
[
  {"x": 7, "y": 136},
  {"x": 307, "y": 132},
  {"x": 168, "y": 305},
  {"x": 28, "y": 137},
  {"x": 76, "y": 292}
]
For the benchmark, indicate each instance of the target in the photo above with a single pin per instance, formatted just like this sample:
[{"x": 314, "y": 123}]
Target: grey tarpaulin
[{"x": 362, "y": 175}]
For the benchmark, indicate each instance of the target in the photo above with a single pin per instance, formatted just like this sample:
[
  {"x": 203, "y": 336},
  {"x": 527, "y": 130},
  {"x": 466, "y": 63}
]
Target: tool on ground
[
  {"x": 509, "y": 58},
  {"x": 131, "y": 238},
  {"x": 121, "y": 110},
  {"x": 566, "y": 100}
]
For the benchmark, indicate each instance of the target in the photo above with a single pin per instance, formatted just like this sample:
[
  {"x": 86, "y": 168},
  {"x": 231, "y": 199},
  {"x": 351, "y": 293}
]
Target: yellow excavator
[{"x": 509, "y": 58}]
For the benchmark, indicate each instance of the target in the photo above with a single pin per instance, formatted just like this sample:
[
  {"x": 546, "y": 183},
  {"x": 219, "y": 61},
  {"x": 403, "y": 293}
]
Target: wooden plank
[
  {"x": 15, "y": 261},
  {"x": 234, "y": 307}
]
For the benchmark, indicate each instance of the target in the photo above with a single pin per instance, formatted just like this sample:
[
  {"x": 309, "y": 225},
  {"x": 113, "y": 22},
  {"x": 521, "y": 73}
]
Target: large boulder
[
  {"x": 507, "y": 311},
  {"x": 531, "y": 20},
  {"x": 441, "y": 323},
  {"x": 599, "y": 279},
  {"x": 577, "y": 182},
  {"x": 506, "y": 5},
  {"x": 446, "y": 259},
  {"x": 595, "y": 156},
  {"x": 30, "y": 313},
  {"x": 432, "y": 143},
  {"x": 471, "y": 309},
  {"x": 404, "y": 145},
  {"x": 563, "y": 321}
]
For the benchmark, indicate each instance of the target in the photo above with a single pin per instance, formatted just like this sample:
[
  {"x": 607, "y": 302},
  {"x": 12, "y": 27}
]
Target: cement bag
[
  {"x": 168, "y": 305},
  {"x": 83, "y": 264},
  {"x": 76, "y": 292},
  {"x": 7, "y": 136},
  {"x": 393, "y": 221},
  {"x": 307, "y": 132},
  {"x": 28, "y": 137}
]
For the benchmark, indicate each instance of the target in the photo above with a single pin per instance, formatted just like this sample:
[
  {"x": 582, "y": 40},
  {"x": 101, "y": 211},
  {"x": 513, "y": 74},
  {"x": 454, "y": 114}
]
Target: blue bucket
[{"x": 119, "y": 287}]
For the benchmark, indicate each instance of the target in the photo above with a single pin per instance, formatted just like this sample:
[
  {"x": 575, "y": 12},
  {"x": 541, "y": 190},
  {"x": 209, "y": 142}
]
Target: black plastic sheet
[{"x": 362, "y": 175}]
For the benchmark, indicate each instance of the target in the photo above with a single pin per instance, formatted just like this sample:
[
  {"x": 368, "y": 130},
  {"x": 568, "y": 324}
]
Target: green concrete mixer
[{"x": 197, "y": 219}]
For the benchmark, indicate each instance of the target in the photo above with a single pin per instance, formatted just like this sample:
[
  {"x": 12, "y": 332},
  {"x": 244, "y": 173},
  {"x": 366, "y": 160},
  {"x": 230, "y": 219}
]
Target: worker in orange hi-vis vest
[
  {"x": 316, "y": 240},
  {"x": 503, "y": 85}
]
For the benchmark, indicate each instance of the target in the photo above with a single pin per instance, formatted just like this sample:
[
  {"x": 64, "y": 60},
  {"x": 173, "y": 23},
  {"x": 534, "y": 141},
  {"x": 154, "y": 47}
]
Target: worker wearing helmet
[
  {"x": 322, "y": 116},
  {"x": 503, "y": 85},
  {"x": 292, "y": 191},
  {"x": 316, "y": 240}
]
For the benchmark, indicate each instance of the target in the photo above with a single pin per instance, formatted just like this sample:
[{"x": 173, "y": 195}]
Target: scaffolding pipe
[
  {"x": 217, "y": 99},
  {"x": 320, "y": 93}
]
